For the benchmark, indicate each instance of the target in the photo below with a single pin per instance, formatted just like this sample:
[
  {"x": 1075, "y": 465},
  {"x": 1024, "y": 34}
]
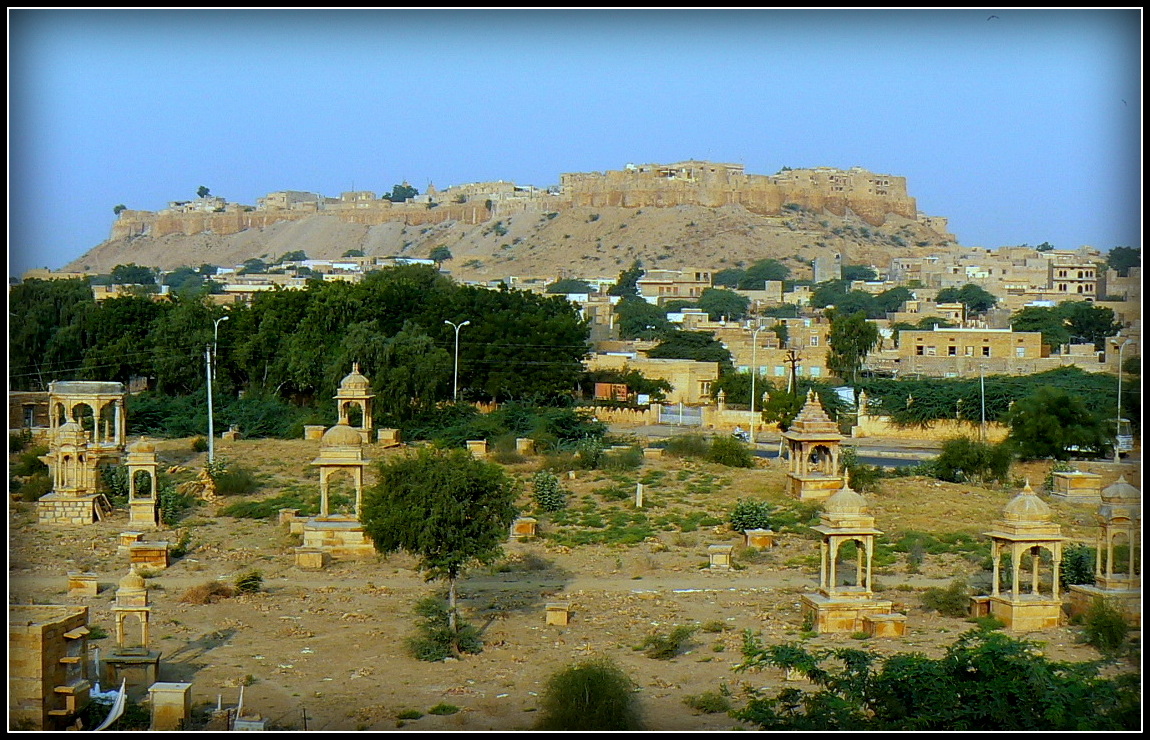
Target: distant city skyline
[{"x": 1021, "y": 128}]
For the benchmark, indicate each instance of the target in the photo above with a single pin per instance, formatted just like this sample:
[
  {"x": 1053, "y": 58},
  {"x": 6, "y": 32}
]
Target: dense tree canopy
[
  {"x": 974, "y": 297},
  {"x": 1069, "y": 320},
  {"x": 720, "y": 303},
  {"x": 1122, "y": 259},
  {"x": 851, "y": 338},
  {"x": 626, "y": 285},
  {"x": 1054, "y": 424},
  {"x": 400, "y": 193},
  {"x": 133, "y": 274},
  {"x": 639, "y": 319},
  {"x": 700, "y": 346},
  {"x": 569, "y": 285}
]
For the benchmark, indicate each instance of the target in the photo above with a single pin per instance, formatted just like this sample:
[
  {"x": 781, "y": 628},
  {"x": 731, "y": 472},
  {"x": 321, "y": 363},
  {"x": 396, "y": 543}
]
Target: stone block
[
  {"x": 83, "y": 584},
  {"x": 287, "y": 516},
  {"x": 652, "y": 453},
  {"x": 477, "y": 447},
  {"x": 524, "y": 526},
  {"x": 307, "y": 558},
  {"x": 760, "y": 538},
  {"x": 388, "y": 437},
  {"x": 230, "y": 436},
  {"x": 884, "y": 625},
  {"x": 720, "y": 556},
  {"x": 314, "y": 431},
  {"x": 127, "y": 539},
  {"x": 152, "y": 555},
  {"x": 525, "y": 446},
  {"x": 979, "y": 606},
  {"x": 558, "y": 613},
  {"x": 171, "y": 705}
]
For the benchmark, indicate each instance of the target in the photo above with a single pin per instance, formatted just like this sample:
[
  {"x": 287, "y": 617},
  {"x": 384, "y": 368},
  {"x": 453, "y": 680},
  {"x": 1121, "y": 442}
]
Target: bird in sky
[{"x": 991, "y": 17}]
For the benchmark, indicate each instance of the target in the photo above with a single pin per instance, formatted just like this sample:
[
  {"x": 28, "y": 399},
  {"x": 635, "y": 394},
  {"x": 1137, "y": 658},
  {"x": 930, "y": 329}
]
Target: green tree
[
  {"x": 1049, "y": 321},
  {"x": 411, "y": 372},
  {"x": 962, "y": 459},
  {"x": 627, "y": 284},
  {"x": 859, "y": 272},
  {"x": 202, "y": 192},
  {"x": 718, "y": 303},
  {"x": 890, "y": 301},
  {"x": 851, "y": 338},
  {"x": 133, "y": 274},
  {"x": 975, "y": 298},
  {"x": 639, "y": 319},
  {"x": 253, "y": 265},
  {"x": 1122, "y": 259},
  {"x": 1045, "y": 247},
  {"x": 117, "y": 210},
  {"x": 440, "y": 254},
  {"x": 1089, "y": 321},
  {"x": 296, "y": 255},
  {"x": 1052, "y": 421},
  {"x": 760, "y": 272},
  {"x": 446, "y": 508},
  {"x": 700, "y": 346},
  {"x": 353, "y": 253},
  {"x": 728, "y": 278},
  {"x": 829, "y": 293},
  {"x": 400, "y": 193},
  {"x": 568, "y": 285},
  {"x": 987, "y": 680},
  {"x": 184, "y": 279}
]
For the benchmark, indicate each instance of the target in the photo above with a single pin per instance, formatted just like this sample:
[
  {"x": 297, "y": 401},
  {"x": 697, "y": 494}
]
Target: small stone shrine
[
  {"x": 845, "y": 601},
  {"x": 132, "y": 660},
  {"x": 1026, "y": 529},
  {"x": 73, "y": 468},
  {"x": 339, "y": 535},
  {"x": 1117, "y": 579},
  {"x": 143, "y": 482},
  {"x": 355, "y": 393},
  {"x": 813, "y": 442},
  {"x": 1077, "y": 487},
  {"x": 98, "y": 407}
]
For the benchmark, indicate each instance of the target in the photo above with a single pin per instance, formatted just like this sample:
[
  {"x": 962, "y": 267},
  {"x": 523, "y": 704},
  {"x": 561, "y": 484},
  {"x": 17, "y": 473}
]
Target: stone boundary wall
[{"x": 882, "y": 426}]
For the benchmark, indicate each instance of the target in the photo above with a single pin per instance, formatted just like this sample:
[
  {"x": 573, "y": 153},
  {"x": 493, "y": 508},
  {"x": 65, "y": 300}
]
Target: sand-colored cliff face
[{"x": 577, "y": 241}]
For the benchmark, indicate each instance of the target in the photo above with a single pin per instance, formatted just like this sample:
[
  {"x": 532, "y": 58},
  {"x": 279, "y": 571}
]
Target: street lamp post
[
  {"x": 455, "y": 384},
  {"x": 1118, "y": 421},
  {"x": 209, "y": 356},
  {"x": 982, "y": 393}
]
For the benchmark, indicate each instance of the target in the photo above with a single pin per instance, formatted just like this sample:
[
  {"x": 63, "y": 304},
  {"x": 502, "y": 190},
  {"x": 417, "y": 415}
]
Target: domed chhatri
[
  {"x": 133, "y": 581},
  {"x": 143, "y": 446},
  {"x": 1027, "y": 507},
  {"x": 845, "y": 501},
  {"x": 1120, "y": 492},
  {"x": 341, "y": 435},
  {"x": 354, "y": 380}
]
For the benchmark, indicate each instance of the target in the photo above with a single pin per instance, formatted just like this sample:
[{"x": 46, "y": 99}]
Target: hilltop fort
[{"x": 871, "y": 197}]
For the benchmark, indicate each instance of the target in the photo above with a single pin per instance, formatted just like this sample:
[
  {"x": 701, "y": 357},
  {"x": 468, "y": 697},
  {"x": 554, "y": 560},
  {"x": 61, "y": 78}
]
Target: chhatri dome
[
  {"x": 354, "y": 381},
  {"x": 341, "y": 435},
  {"x": 143, "y": 446},
  {"x": 1120, "y": 492},
  {"x": 845, "y": 501},
  {"x": 1027, "y": 507},
  {"x": 132, "y": 582}
]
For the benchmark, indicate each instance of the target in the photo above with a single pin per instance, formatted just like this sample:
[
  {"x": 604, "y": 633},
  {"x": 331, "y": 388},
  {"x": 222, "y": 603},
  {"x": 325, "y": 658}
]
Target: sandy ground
[{"x": 327, "y": 649}]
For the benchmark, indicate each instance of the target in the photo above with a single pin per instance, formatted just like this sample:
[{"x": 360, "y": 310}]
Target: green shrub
[
  {"x": 589, "y": 453},
  {"x": 963, "y": 459},
  {"x": 750, "y": 514},
  {"x": 34, "y": 487},
  {"x": 687, "y": 445},
  {"x": 409, "y": 714},
  {"x": 547, "y": 493},
  {"x": 28, "y": 463},
  {"x": 199, "y": 444},
  {"x": 234, "y": 480},
  {"x": 19, "y": 441},
  {"x": 709, "y": 702},
  {"x": 665, "y": 647},
  {"x": 730, "y": 452},
  {"x": 989, "y": 622},
  {"x": 173, "y": 504},
  {"x": 952, "y": 601},
  {"x": 443, "y": 709},
  {"x": 1105, "y": 627},
  {"x": 249, "y": 582},
  {"x": 434, "y": 639},
  {"x": 96, "y": 632},
  {"x": 627, "y": 459},
  {"x": 1077, "y": 565},
  {"x": 593, "y": 695}
]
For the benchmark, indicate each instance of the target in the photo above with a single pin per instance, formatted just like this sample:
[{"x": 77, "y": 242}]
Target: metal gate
[{"x": 681, "y": 415}]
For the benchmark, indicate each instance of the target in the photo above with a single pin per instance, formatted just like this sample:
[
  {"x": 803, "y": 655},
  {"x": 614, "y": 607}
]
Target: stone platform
[{"x": 343, "y": 538}]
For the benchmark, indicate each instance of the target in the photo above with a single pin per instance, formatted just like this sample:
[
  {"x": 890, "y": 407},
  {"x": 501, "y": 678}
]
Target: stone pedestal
[
  {"x": 249, "y": 723},
  {"x": 720, "y": 556},
  {"x": 813, "y": 486},
  {"x": 477, "y": 447},
  {"x": 127, "y": 539},
  {"x": 153, "y": 555},
  {"x": 1026, "y": 613},
  {"x": 342, "y": 538},
  {"x": 144, "y": 513},
  {"x": 884, "y": 625},
  {"x": 524, "y": 526},
  {"x": 171, "y": 706},
  {"x": 525, "y": 446},
  {"x": 230, "y": 436},
  {"x": 760, "y": 538},
  {"x": 979, "y": 606},
  {"x": 287, "y": 516},
  {"x": 841, "y": 614},
  {"x": 314, "y": 431},
  {"x": 83, "y": 584},
  {"x": 1076, "y": 487},
  {"x": 388, "y": 437},
  {"x": 652, "y": 453},
  {"x": 1128, "y": 601},
  {"x": 308, "y": 558},
  {"x": 558, "y": 613},
  {"x": 138, "y": 667},
  {"x": 60, "y": 509}
]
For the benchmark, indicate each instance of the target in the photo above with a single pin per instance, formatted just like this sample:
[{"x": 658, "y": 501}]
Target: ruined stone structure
[
  {"x": 97, "y": 406},
  {"x": 1026, "y": 529},
  {"x": 143, "y": 485},
  {"x": 1116, "y": 580},
  {"x": 72, "y": 466},
  {"x": 813, "y": 441},
  {"x": 845, "y": 602},
  {"x": 47, "y": 665}
]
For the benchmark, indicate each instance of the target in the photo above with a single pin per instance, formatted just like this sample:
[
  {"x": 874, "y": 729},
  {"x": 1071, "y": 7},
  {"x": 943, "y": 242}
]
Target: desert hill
[{"x": 582, "y": 241}]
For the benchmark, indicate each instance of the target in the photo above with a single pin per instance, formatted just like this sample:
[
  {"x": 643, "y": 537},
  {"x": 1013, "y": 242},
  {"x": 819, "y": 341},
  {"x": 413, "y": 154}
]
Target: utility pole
[{"x": 211, "y": 430}]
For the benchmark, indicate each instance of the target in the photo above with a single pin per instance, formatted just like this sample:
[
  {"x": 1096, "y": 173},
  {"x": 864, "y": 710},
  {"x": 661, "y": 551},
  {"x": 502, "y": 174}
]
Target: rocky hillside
[{"x": 576, "y": 242}]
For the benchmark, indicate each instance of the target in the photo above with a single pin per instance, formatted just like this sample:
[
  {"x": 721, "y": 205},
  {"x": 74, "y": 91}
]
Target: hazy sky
[{"x": 1022, "y": 128}]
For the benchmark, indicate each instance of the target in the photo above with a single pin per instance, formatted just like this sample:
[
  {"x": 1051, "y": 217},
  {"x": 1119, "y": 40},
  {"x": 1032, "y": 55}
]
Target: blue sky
[{"x": 1021, "y": 129}]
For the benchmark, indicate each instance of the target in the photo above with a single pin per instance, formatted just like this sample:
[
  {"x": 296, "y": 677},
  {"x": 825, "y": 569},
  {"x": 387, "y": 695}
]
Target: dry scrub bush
[{"x": 207, "y": 593}]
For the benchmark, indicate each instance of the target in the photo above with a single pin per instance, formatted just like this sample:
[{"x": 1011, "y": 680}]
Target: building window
[
  {"x": 814, "y": 340},
  {"x": 815, "y": 372},
  {"x": 986, "y": 351},
  {"x": 951, "y": 351},
  {"x": 780, "y": 371},
  {"x": 931, "y": 351},
  {"x": 1020, "y": 351},
  {"x": 968, "y": 351},
  {"x": 918, "y": 350}
]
